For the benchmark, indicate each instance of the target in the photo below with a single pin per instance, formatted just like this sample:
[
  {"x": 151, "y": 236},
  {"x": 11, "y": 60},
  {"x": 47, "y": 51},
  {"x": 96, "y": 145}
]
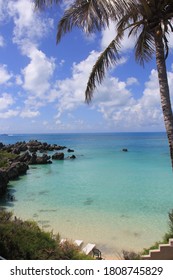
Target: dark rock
[
  {"x": 21, "y": 167},
  {"x": 16, "y": 169},
  {"x": 44, "y": 159},
  {"x": 1, "y": 145},
  {"x": 125, "y": 150},
  {"x": 33, "y": 149},
  {"x": 33, "y": 159},
  {"x": 70, "y": 151},
  {"x": 58, "y": 148},
  {"x": 16, "y": 151},
  {"x": 12, "y": 172},
  {"x": 58, "y": 156},
  {"x": 25, "y": 157},
  {"x": 72, "y": 157},
  {"x": 3, "y": 181},
  {"x": 23, "y": 147}
]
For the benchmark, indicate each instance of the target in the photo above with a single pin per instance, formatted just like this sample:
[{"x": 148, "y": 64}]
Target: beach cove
[{"x": 117, "y": 200}]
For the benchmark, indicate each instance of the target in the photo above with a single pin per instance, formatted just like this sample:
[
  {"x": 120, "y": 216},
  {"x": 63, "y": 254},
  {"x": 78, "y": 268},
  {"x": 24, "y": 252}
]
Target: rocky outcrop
[
  {"x": 25, "y": 155},
  {"x": 3, "y": 181},
  {"x": 35, "y": 146},
  {"x": 44, "y": 159},
  {"x": 16, "y": 169},
  {"x": 58, "y": 156},
  {"x": 70, "y": 151},
  {"x": 71, "y": 157},
  {"x": 32, "y": 146}
]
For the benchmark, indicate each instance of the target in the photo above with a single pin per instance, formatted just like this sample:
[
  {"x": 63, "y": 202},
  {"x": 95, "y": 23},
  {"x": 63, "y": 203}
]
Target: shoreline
[{"x": 123, "y": 225}]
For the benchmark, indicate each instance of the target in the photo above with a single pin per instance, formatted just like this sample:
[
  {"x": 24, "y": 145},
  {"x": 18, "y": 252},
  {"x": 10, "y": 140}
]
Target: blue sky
[{"x": 42, "y": 84}]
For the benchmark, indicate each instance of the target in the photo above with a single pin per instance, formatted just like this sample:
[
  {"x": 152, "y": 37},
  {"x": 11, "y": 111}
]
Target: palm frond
[
  {"x": 107, "y": 58},
  {"x": 40, "y": 4},
  {"x": 84, "y": 14},
  {"x": 91, "y": 15},
  {"x": 146, "y": 7},
  {"x": 145, "y": 47}
]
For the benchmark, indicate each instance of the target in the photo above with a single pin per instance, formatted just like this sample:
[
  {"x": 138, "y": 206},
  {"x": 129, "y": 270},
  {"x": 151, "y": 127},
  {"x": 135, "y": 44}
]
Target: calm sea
[{"x": 118, "y": 200}]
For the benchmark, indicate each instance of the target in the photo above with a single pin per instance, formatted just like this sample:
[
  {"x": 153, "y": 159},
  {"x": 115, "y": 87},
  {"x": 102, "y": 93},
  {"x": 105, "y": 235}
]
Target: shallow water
[{"x": 118, "y": 200}]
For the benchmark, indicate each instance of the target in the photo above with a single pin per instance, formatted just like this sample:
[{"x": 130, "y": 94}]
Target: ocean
[{"x": 117, "y": 200}]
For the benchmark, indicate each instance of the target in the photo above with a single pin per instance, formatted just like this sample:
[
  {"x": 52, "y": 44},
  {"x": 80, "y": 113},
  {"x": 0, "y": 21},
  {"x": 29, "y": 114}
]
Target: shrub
[
  {"x": 24, "y": 240},
  {"x": 5, "y": 157}
]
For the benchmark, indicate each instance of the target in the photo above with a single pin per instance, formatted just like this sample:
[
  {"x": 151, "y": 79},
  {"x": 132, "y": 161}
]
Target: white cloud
[
  {"x": 6, "y": 100},
  {"x": 144, "y": 113},
  {"x": 3, "y": 14},
  {"x": 2, "y": 42},
  {"x": 119, "y": 108},
  {"x": 9, "y": 114},
  {"x": 62, "y": 62},
  {"x": 5, "y": 76},
  {"x": 110, "y": 33},
  {"x": 29, "y": 27},
  {"x": 33, "y": 103},
  {"x": 71, "y": 90},
  {"x": 27, "y": 113},
  {"x": 131, "y": 81},
  {"x": 37, "y": 73},
  {"x": 19, "y": 80}
]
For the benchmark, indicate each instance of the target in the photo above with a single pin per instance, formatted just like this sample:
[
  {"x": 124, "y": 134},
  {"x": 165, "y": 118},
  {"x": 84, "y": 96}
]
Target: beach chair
[
  {"x": 78, "y": 243},
  {"x": 63, "y": 241},
  {"x": 97, "y": 253},
  {"x": 88, "y": 248}
]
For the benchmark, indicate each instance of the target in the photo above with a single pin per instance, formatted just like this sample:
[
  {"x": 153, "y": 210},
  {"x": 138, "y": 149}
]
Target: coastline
[{"x": 82, "y": 209}]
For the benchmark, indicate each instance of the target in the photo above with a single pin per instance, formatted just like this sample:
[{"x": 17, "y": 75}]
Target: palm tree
[
  {"x": 43, "y": 3},
  {"x": 149, "y": 21}
]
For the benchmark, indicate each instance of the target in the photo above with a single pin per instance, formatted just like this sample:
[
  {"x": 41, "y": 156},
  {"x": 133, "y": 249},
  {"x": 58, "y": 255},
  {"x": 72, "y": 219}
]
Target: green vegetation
[
  {"x": 24, "y": 240},
  {"x": 5, "y": 157}
]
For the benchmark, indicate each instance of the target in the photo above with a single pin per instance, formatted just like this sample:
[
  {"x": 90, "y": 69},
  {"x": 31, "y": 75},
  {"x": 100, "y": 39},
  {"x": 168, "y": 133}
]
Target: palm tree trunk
[{"x": 164, "y": 91}]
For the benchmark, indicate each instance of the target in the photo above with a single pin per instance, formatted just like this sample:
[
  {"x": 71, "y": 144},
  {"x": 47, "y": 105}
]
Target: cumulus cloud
[
  {"x": 37, "y": 73},
  {"x": 5, "y": 76},
  {"x": 5, "y": 101},
  {"x": 110, "y": 33},
  {"x": 9, "y": 114},
  {"x": 141, "y": 113},
  {"x": 71, "y": 90},
  {"x": 131, "y": 81},
  {"x": 29, "y": 28},
  {"x": 28, "y": 24},
  {"x": 27, "y": 113},
  {"x": 113, "y": 99}
]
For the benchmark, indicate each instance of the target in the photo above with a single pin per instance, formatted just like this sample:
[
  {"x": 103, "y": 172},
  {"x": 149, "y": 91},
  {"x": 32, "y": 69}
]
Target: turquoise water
[{"x": 105, "y": 196}]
